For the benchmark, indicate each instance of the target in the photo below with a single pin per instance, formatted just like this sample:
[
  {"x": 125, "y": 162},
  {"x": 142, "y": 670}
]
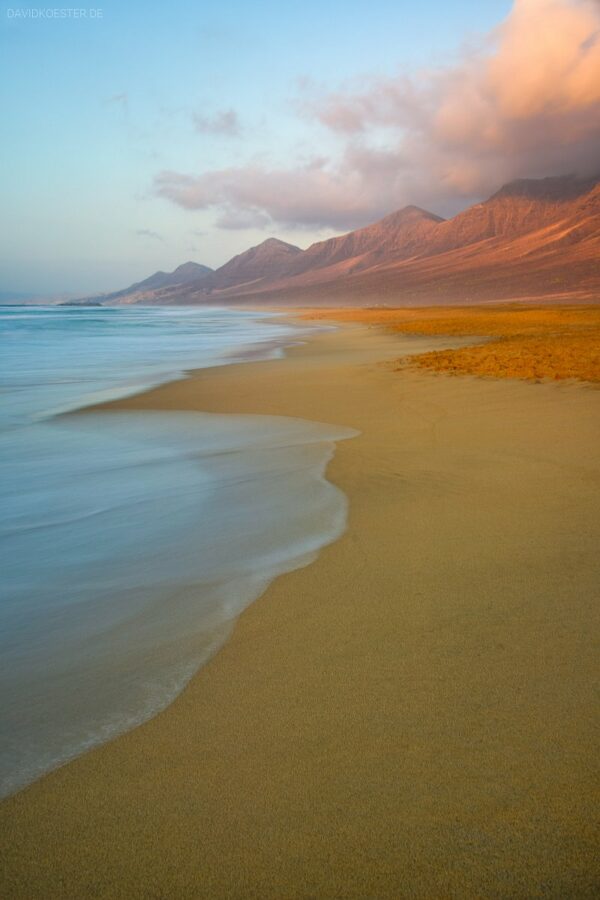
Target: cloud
[
  {"x": 252, "y": 196},
  {"x": 119, "y": 99},
  {"x": 145, "y": 232},
  {"x": 225, "y": 123},
  {"x": 234, "y": 218},
  {"x": 524, "y": 103}
]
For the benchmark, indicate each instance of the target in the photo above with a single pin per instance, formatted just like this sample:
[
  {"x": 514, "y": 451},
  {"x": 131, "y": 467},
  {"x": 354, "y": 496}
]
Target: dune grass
[{"x": 525, "y": 341}]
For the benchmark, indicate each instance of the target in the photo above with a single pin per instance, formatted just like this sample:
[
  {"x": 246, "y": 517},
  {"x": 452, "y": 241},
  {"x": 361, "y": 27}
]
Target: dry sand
[
  {"x": 533, "y": 341},
  {"x": 410, "y": 716}
]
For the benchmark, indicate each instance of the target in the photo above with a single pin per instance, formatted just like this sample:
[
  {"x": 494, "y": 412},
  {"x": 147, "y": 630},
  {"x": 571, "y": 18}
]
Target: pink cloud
[
  {"x": 526, "y": 103},
  {"x": 252, "y": 196}
]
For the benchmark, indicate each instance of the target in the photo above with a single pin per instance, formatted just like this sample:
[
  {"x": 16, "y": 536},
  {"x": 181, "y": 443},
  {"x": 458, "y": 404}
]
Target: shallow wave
[{"x": 163, "y": 528}]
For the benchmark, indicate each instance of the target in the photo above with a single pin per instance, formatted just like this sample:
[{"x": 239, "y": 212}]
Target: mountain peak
[
  {"x": 189, "y": 270},
  {"x": 399, "y": 235},
  {"x": 409, "y": 213},
  {"x": 269, "y": 259},
  {"x": 273, "y": 242},
  {"x": 556, "y": 188},
  {"x": 271, "y": 247}
]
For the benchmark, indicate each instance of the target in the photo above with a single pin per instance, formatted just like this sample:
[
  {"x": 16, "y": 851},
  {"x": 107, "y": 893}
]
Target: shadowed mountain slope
[{"x": 151, "y": 289}]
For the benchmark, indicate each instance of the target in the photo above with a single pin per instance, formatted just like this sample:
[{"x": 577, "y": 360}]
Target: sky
[{"x": 138, "y": 136}]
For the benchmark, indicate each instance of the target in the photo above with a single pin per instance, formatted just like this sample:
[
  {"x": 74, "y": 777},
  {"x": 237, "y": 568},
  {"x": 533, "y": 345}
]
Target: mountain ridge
[
  {"x": 269, "y": 258},
  {"x": 186, "y": 273},
  {"x": 531, "y": 237}
]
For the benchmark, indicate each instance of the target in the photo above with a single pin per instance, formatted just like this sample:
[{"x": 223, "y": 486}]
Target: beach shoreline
[
  {"x": 114, "y": 588},
  {"x": 407, "y": 716}
]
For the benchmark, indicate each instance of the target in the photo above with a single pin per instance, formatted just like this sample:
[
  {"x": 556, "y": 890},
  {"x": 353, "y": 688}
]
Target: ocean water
[{"x": 129, "y": 542}]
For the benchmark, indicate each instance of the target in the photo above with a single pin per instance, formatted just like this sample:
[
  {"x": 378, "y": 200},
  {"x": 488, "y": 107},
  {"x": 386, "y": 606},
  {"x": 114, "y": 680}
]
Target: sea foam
[{"x": 129, "y": 544}]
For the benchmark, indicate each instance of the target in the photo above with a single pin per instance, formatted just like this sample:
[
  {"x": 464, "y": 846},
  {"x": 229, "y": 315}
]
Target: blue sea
[{"x": 130, "y": 541}]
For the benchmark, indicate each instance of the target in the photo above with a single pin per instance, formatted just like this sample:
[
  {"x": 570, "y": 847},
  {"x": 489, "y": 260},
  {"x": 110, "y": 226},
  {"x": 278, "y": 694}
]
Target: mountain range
[{"x": 532, "y": 238}]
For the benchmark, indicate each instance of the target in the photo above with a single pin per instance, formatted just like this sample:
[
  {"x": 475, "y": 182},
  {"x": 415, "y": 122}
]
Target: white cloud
[{"x": 225, "y": 123}]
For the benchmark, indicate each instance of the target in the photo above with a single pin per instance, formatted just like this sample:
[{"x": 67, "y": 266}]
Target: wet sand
[{"x": 412, "y": 715}]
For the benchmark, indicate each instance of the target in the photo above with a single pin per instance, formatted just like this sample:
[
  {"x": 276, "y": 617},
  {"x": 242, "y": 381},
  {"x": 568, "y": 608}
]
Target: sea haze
[{"x": 131, "y": 541}]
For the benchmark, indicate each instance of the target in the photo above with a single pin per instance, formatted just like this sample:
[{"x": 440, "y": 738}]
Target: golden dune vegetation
[{"x": 524, "y": 341}]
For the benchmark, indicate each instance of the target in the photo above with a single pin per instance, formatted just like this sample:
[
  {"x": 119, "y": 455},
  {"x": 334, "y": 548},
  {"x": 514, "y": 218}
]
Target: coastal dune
[{"x": 408, "y": 716}]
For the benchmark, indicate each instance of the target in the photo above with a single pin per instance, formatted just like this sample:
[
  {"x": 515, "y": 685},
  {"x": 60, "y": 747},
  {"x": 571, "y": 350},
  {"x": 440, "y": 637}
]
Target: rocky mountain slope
[
  {"x": 268, "y": 260},
  {"x": 532, "y": 238}
]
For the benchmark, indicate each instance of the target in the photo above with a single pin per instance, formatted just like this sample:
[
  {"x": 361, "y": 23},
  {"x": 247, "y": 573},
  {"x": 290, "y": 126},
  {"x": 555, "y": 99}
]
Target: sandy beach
[{"x": 413, "y": 714}]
